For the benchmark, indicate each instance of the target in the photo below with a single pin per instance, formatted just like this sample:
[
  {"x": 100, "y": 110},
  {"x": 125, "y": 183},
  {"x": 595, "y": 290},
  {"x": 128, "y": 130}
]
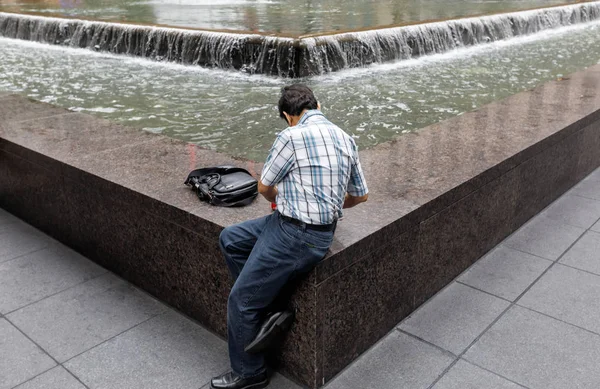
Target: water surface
[{"x": 287, "y": 17}]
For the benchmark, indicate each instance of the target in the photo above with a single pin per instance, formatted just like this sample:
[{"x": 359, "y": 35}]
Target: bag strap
[
  {"x": 216, "y": 201},
  {"x": 202, "y": 192},
  {"x": 214, "y": 170}
]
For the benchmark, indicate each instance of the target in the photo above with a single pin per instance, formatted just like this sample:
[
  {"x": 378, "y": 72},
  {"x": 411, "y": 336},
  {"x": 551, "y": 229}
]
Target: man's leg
[
  {"x": 279, "y": 253},
  {"x": 237, "y": 242}
]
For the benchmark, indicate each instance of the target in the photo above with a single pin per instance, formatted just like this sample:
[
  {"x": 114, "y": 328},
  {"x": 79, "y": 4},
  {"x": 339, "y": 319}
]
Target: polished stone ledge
[{"x": 439, "y": 200}]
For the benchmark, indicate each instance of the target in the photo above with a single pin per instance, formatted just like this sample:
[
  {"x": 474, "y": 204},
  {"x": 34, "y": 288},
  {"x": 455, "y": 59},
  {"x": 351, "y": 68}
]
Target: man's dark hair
[{"x": 295, "y": 99}]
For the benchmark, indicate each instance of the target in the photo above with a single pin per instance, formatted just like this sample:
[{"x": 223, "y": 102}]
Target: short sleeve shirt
[{"x": 314, "y": 164}]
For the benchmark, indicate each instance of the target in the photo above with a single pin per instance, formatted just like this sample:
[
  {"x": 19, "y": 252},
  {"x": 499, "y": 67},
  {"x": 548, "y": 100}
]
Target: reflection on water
[
  {"x": 288, "y": 17},
  {"x": 236, "y": 113}
]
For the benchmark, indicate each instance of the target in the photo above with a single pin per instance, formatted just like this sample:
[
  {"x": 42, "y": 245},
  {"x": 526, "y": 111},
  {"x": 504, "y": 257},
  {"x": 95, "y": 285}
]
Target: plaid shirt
[{"x": 314, "y": 164}]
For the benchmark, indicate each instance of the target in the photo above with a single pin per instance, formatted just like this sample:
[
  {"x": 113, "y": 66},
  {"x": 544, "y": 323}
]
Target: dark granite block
[
  {"x": 71, "y": 136},
  {"x": 299, "y": 357},
  {"x": 455, "y": 238},
  {"x": 27, "y": 154},
  {"x": 342, "y": 254},
  {"x": 34, "y": 194},
  {"x": 363, "y": 302},
  {"x": 589, "y": 157},
  {"x": 13, "y": 109},
  {"x": 157, "y": 169},
  {"x": 180, "y": 267},
  {"x": 546, "y": 176}
]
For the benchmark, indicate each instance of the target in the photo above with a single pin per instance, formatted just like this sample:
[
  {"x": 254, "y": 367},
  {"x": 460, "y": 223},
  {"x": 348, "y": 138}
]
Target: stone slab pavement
[{"x": 524, "y": 316}]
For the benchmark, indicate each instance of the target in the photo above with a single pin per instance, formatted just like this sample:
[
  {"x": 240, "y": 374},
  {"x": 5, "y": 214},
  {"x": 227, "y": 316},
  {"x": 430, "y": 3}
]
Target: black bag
[{"x": 225, "y": 186}]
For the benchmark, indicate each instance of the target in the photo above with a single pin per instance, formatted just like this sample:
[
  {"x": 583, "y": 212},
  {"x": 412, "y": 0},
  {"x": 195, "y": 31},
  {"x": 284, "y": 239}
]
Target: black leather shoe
[
  {"x": 270, "y": 333},
  {"x": 233, "y": 381}
]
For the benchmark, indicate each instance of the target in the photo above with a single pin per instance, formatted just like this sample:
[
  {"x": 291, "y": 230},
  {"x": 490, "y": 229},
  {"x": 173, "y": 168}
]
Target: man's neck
[{"x": 296, "y": 119}]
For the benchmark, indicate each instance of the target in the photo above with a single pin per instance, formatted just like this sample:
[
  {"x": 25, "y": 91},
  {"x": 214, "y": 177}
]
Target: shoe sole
[
  {"x": 281, "y": 325},
  {"x": 258, "y": 385}
]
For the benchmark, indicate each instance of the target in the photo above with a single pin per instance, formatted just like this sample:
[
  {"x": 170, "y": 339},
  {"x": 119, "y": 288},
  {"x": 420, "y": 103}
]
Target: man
[{"x": 312, "y": 172}]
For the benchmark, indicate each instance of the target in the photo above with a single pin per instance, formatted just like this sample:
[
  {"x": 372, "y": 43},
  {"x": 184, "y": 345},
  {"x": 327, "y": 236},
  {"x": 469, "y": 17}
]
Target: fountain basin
[
  {"x": 291, "y": 56},
  {"x": 440, "y": 199}
]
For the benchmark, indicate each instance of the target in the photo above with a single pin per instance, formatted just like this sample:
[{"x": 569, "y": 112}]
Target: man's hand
[
  {"x": 351, "y": 201},
  {"x": 268, "y": 192}
]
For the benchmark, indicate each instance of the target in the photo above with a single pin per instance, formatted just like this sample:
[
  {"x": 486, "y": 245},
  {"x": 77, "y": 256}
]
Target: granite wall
[{"x": 440, "y": 199}]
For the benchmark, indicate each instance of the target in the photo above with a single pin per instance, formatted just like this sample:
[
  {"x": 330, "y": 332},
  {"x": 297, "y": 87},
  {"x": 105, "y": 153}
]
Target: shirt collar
[{"x": 308, "y": 114}]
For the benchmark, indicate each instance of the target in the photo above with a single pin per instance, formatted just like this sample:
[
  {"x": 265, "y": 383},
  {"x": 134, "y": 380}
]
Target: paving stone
[
  {"x": 280, "y": 382},
  {"x": 464, "y": 375},
  {"x": 20, "y": 239},
  {"x": 82, "y": 317},
  {"x": 455, "y": 317},
  {"x": 544, "y": 237},
  {"x": 168, "y": 351},
  {"x": 20, "y": 359},
  {"x": 587, "y": 188},
  {"x": 539, "y": 352},
  {"x": 57, "y": 378},
  {"x": 34, "y": 276},
  {"x": 505, "y": 272},
  {"x": 8, "y": 226},
  {"x": 596, "y": 227},
  {"x": 567, "y": 294},
  {"x": 594, "y": 176},
  {"x": 574, "y": 210},
  {"x": 585, "y": 254},
  {"x": 7, "y": 218},
  {"x": 399, "y": 361}
]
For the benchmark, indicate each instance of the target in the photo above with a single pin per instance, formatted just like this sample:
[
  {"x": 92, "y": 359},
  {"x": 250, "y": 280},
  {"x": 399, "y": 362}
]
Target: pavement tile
[
  {"x": 595, "y": 176},
  {"x": 11, "y": 225},
  {"x": 20, "y": 239},
  {"x": 505, "y": 272},
  {"x": 455, "y": 317},
  {"x": 539, "y": 352},
  {"x": 567, "y": 294},
  {"x": 84, "y": 316},
  {"x": 57, "y": 378},
  {"x": 34, "y": 276},
  {"x": 399, "y": 361},
  {"x": 544, "y": 237},
  {"x": 585, "y": 254},
  {"x": 587, "y": 188},
  {"x": 168, "y": 351},
  {"x": 574, "y": 210},
  {"x": 7, "y": 218},
  {"x": 280, "y": 382},
  {"x": 596, "y": 227},
  {"x": 464, "y": 375},
  {"x": 20, "y": 359}
]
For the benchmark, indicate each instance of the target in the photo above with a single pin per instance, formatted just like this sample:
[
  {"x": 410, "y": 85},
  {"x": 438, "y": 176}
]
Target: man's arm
[
  {"x": 357, "y": 191},
  {"x": 279, "y": 162},
  {"x": 351, "y": 201},
  {"x": 268, "y": 192}
]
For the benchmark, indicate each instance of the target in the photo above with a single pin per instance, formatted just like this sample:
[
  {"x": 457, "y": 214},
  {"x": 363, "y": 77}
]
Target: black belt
[{"x": 316, "y": 227}]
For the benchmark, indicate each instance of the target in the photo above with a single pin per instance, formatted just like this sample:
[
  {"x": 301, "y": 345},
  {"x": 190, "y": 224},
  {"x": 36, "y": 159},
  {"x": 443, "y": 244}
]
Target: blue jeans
[{"x": 263, "y": 255}]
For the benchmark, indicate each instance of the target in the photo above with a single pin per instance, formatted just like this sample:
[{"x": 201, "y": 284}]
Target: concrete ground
[{"x": 524, "y": 316}]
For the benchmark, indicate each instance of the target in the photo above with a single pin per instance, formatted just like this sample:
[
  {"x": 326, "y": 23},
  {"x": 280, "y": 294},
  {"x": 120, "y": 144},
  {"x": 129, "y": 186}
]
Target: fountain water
[{"x": 291, "y": 57}]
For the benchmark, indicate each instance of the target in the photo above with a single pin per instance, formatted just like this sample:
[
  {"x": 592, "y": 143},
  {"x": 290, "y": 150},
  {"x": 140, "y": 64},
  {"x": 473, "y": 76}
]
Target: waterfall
[
  {"x": 289, "y": 57},
  {"x": 330, "y": 53},
  {"x": 248, "y": 52}
]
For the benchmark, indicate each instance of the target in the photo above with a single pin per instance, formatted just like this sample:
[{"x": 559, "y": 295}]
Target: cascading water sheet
[
  {"x": 272, "y": 17},
  {"x": 288, "y": 57}
]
